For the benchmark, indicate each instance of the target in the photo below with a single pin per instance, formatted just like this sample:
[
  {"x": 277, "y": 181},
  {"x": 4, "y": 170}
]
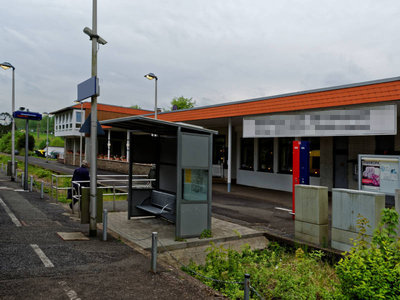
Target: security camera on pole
[{"x": 89, "y": 88}]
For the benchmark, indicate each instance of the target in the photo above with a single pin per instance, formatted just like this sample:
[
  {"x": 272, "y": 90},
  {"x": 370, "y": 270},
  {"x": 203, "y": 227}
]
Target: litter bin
[
  {"x": 9, "y": 167},
  {"x": 85, "y": 206}
]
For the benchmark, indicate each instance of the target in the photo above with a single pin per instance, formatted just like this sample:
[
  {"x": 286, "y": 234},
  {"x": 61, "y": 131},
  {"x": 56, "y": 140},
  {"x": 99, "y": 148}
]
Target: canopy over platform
[{"x": 182, "y": 155}]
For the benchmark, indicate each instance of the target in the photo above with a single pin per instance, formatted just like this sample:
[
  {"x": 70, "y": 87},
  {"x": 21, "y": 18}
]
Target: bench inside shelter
[{"x": 160, "y": 204}]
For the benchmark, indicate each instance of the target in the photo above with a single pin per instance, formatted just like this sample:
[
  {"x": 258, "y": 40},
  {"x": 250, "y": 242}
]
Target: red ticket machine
[{"x": 296, "y": 171}]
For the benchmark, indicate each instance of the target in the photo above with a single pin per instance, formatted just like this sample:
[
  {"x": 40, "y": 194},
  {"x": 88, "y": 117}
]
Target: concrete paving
[
  {"x": 139, "y": 231},
  {"x": 35, "y": 263}
]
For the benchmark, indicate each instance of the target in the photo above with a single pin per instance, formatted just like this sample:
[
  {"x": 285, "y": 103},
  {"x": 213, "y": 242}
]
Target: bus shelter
[{"x": 182, "y": 157}]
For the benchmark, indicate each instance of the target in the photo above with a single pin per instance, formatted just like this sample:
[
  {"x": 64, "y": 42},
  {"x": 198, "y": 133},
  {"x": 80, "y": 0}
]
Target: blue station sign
[
  {"x": 27, "y": 115},
  {"x": 88, "y": 88}
]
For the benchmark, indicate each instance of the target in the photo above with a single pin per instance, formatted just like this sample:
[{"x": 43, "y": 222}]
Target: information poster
[
  {"x": 195, "y": 185},
  {"x": 379, "y": 173}
]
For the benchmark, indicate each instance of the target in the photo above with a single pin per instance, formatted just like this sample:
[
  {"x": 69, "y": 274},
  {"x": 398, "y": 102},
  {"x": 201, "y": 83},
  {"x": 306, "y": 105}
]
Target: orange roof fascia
[
  {"x": 116, "y": 109},
  {"x": 373, "y": 93}
]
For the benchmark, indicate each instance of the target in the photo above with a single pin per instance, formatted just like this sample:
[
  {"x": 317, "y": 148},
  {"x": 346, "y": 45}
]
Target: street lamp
[
  {"x": 80, "y": 134},
  {"x": 96, "y": 39},
  {"x": 47, "y": 139},
  {"x": 6, "y": 66},
  {"x": 151, "y": 76}
]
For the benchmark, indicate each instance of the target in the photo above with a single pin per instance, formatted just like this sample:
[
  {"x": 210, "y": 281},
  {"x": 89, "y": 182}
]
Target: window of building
[
  {"x": 266, "y": 155},
  {"x": 285, "y": 164},
  {"x": 247, "y": 154},
  {"x": 219, "y": 149},
  {"x": 78, "y": 117},
  {"x": 384, "y": 144}
]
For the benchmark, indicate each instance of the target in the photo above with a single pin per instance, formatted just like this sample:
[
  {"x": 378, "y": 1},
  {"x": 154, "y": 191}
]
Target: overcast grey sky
[{"x": 212, "y": 50}]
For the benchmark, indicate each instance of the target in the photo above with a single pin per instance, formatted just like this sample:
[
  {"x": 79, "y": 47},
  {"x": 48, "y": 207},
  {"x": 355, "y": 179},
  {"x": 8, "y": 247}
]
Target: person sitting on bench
[{"x": 80, "y": 174}]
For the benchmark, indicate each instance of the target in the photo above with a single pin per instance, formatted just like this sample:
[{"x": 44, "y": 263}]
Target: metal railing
[
  {"x": 117, "y": 188},
  {"x": 55, "y": 178}
]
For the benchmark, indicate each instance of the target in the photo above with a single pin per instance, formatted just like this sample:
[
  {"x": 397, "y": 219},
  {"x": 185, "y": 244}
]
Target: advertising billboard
[{"x": 378, "y": 173}]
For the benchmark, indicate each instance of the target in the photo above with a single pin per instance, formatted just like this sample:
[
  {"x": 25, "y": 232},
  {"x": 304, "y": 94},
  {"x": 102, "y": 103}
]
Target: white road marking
[
  {"x": 10, "y": 214},
  {"x": 284, "y": 209},
  {"x": 70, "y": 292},
  {"x": 46, "y": 261}
]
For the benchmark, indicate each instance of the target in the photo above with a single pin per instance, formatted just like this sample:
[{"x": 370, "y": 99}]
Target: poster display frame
[{"x": 379, "y": 173}]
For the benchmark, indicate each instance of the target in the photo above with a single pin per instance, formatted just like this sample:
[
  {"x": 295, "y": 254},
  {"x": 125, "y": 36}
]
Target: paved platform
[{"x": 139, "y": 231}]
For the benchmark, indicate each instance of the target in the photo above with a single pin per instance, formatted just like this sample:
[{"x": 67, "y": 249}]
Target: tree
[
  {"x": 182, "y": 102},
  {"x": 135, "y": 106},
  {"x": 21, "y": 142}
]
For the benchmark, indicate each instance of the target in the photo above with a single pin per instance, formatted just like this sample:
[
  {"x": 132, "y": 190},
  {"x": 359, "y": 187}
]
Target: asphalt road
[
  {"x": 36, "y": 263},
  {"x": 255, "y": 208}
]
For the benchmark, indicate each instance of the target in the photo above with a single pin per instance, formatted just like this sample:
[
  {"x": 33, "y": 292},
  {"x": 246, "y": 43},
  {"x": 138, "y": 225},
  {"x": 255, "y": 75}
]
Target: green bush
[
  {"x": 20, "y": 144},
  {"x": 372, "y": 270},
  {"x": 275, "y": 273},
  {"x": 5, "y": 142},
  {"x": 57, "y": 142},
  {"x": 42, "y": 144}
]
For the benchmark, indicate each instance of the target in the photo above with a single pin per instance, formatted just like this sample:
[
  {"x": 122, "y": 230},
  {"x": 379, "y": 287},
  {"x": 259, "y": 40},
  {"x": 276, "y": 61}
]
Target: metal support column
[
  {"x": 26, "y": 154},
  {"x": 73, "y": 153},
  {"x": 229, "y": 154},
  {"x": 80, "y": 137},
  {"x": 109, "y": 143},
  {"x": 13, "y": 128},
  {"x": 128, "y": 145},
  {"x": 93, "y": 131}
]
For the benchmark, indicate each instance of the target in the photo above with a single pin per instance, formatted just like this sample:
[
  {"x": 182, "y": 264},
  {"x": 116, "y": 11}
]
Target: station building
[
  {"x": 254, "y": 144},
  {"x": 69, "y": 120},
  {"x": 255, "y": 136}
]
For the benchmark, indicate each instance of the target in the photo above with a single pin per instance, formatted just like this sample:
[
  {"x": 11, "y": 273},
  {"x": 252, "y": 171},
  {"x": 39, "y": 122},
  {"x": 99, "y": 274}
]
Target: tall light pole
[
  {"x": 151, "y": 76},
  {"x": 92, "y": 33},
  {"x": 47, "y": 139},
  {"x": 5, "y": 66}
]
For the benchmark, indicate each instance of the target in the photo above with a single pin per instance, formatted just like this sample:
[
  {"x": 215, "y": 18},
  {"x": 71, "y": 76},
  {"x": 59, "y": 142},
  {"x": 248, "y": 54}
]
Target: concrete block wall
[
  {"x": 311, "y": 223},
  {"x": 346, "y": 206}
]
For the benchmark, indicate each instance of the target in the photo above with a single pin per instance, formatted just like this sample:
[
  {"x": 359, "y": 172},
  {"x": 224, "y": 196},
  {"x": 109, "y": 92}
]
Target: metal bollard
[
  {"x": 105, "y": 224},
  {"x": 114, "y": 197},
  {"x": 154, "y": 252},
  {"x": 42, "y": 190},
  {"x": 22, "y": 179},
  {"x": 16, "y": 175},
  {"x": 6, "y": 168},
  {"x": 31, "y": 186},
  {"x": 246, "y": 286},
  {"x": 57, "y": 189},
  {"x": 2, "y": 166}
]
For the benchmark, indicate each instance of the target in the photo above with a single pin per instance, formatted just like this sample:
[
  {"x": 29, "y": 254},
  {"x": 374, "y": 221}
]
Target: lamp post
[
  {"x": 80, "y": 134},
  {"x": 96, "y": 39},
  {"x": 6, "y": 66},
  {"x": 151, "y": 76},
  {"x": 47, "y": 138}
]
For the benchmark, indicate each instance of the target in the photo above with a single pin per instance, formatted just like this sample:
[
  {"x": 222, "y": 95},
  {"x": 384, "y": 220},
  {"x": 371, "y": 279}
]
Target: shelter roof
[{"x": 150, "y": 125}]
